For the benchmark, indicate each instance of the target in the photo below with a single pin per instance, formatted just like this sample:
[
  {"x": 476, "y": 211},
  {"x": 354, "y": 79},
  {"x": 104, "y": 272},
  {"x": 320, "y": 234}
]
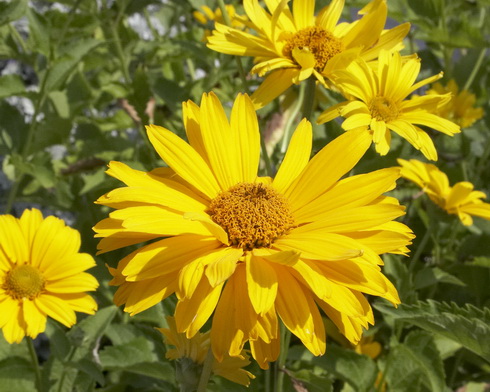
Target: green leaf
[
  {"x": 13, "y": 10},
  {"x": 16, "y": 375},
  {"x": 467, "y": 325},
  {"x": 59, "y": 99},
  {"x": 91, "y": 369},
  {"x": 39, "y": 29},
  {"x": 430, "y": 276},
  {"x": 127, "y": 355},
  {"x": 11, "y": 85},
  {"x": 59, "y": 344},
  {"x": 358, "y": 370},
  {"x": 306, "y": 380}
]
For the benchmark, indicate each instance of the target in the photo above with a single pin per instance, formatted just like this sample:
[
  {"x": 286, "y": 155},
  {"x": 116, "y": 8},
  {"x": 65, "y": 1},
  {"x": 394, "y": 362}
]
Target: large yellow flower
[
  {"x": 41, "y": 274},
  {"x": 295, "y": 44},
  {"x": 460, "y": 108},
  {"x": 251, "y": 248},
  {"x": 376, "y": 100},
  {"x": 196, "y": 350},
  {"x": 459, "y": 199}
]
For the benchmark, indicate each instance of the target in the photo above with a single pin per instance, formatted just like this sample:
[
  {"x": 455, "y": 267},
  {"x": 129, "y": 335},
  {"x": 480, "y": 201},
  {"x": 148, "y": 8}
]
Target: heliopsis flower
[
  {"x": 459, "y": 199},
  {"x": 196, "y": 350},
  {"x": 295, "y": 44},
  {"x": 206, "y": 15},
  {"x": 376, "y": 100},
  {"x": 460, "y": 107},
  {"x": 41, "y": 274},
  {"x": 247, "y": 248}
]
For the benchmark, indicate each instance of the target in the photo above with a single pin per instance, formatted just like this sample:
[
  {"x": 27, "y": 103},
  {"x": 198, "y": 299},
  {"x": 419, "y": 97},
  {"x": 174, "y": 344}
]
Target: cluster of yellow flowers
[{"x": 247, "y": 250}]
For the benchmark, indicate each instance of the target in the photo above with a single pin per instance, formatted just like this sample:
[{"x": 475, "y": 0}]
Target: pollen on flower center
[
  {"x": 323, "y": 44},
  {"x": 383, "y": 110},
  {"x": 253, "y": 215},
  {"x": 23, "y": 281}
]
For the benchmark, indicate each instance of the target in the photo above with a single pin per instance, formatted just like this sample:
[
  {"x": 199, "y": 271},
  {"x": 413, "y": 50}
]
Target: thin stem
[
  {"x": 476, "y": 68},
  {"x": 288, "y": 128},
  {"x": 207, "y": 368},
  {"x": 309, "y": 99},
  {"x": 18, "y": 38},
  {"x": 35, "y": 363},
  {"x": 285, "y": 339},
  {"x": 63, "y": 372},
  {"x": 421, "y": 247}
]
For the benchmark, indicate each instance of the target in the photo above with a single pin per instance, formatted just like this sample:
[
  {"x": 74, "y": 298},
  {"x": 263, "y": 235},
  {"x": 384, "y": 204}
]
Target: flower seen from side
[
  {"x": 460, "y": 199},
  {"x": 291, "y": 45},
  {"x": 196, "y": 350},
  {"x": 376, "y": 100},
  {"x": 41, "y": 274},
  {"x": 249, "y": 249},
  {"x": 460, "y": 108},
  {"x": 206, "y": 15}
]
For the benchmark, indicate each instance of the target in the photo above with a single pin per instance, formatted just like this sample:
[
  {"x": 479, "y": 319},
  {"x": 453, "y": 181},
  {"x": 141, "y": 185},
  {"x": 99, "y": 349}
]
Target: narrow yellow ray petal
[
  {"x": 213, "y": 228},
  {"x": 223, "y": 265},
  {"x": 329, "y": 16},
  {"x": 296, "y": 158},
  {"x": 331, "y": 163},
  {"x": 303, "y": 13},
  {"x": 246, "y": 136},
  {"x": 262, "y": 284},
  {"x": 273, "y": 86},
  {"x": 182, "y": 158}
]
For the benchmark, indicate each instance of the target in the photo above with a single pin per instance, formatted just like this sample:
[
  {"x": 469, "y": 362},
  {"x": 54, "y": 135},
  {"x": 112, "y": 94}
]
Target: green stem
[
  {"x": 207, "y": 368},
  {"x": 309, "y": 99},
  {"x": 288, "y": 128},
  {"x": 35, "y": 363},
  {"x": 63, "y": 372},
  {"x": 285, "y": 339},
  {"x": 476, "y": 68},
  {"x": 17, "y": 37},
  {"x": 421, "y": 247}
]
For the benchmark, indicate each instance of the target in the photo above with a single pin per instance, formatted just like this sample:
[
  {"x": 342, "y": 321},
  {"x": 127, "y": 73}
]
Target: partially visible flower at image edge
[
  {"x": 41, "y": 274},
  {"x": 196, "y": 349},
  {"x": 459, "y": 199},
  {"x": 293, "y": 45},
  {"x": 460, "y": 108},
  {"x": 376, "y": 100},
  {"x": 245, "y": 248}
]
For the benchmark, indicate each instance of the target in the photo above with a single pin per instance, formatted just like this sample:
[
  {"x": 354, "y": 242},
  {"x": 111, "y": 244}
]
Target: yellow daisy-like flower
[
  {"x": 295, "y": 44},
  {"x": 460, "y": 107},
  {"x": 206, "y": 15},
  {"x": 196, "y": 349},
  {"x": 459, "y": 199},
  {"x": 376, "y": 100},
  {"x": 250, "y": 248},
  {"x": 41, "y": 274}
]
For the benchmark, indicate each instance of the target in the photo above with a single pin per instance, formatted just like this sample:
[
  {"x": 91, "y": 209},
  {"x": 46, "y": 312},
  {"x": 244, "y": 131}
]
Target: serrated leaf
[
  {"x": 424, "y": 352},
  {"x": 358, "y": 370},
  {"x": 467, "y": 325},
  {"x": 90, "y": 368}
]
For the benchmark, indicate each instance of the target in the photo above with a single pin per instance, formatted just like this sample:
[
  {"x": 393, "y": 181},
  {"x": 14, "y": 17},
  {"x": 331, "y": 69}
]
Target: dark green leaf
[
  {"x": 11, "y": 85},
  {"x": 13, "y": 10}
]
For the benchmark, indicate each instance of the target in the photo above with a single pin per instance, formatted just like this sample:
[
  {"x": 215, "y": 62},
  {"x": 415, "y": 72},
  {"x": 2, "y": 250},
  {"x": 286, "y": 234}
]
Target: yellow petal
[
  {"x": 273, "y": 86},
  {"x": 303, "y": 13},
  {"x": 296, "y": 158},
  {"x": 223, "y": 265},
  {"x": 182, "y": 158},
  {"x": 207, "y": 222},
  {"x": 329, "y": 16},
  {"x": 35, "y": 319},
  {"x": 262, "y": 284},
  {"x": 54, "y": 307},
  {"x": 331, "y": 163},
  {"x": 73, "y": 284}
]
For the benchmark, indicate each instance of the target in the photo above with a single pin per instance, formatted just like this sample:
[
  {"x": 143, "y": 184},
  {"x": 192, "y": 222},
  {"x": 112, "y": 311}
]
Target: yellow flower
[
  {"x": 206, "y": 15},
  {"x": 376, "y": 100},
  {"x": 250, "y": 248},
  {"x": 196, "y": 349},
  {"x": 295, "y": 44},
  {"x": 368, "y": 346},
  {"x": 41, "y": 274},
  {"x": 459, "y": 199},
  {"x": 460, "y": 107}
]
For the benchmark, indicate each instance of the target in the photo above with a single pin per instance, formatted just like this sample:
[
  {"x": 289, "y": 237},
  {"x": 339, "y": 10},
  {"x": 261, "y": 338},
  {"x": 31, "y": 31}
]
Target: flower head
[
  {"x": 460, "y": 108},
  {"x": 196, "y": 350},
  {"x": 377, "y": 95},
  {"x": 41, "y": 274},
  {"x": 206, "y": 15},
  {"x": 459, "y": 199},
  {"x": 294, "y": 44},
  {"x": 250, "y": 248}
]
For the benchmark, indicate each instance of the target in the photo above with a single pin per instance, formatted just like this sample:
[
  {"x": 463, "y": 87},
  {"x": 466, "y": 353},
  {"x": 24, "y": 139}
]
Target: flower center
[
  {"x": 253, "y": 215},
  {"x": 23, "y": 281},
  {"x": 318, "y": 41},
  {"x": 383, "y": 110}
]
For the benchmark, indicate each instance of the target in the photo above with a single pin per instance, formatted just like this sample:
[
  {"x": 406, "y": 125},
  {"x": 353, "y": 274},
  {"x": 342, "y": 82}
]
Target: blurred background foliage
[{"x": 79, "y": 79}]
